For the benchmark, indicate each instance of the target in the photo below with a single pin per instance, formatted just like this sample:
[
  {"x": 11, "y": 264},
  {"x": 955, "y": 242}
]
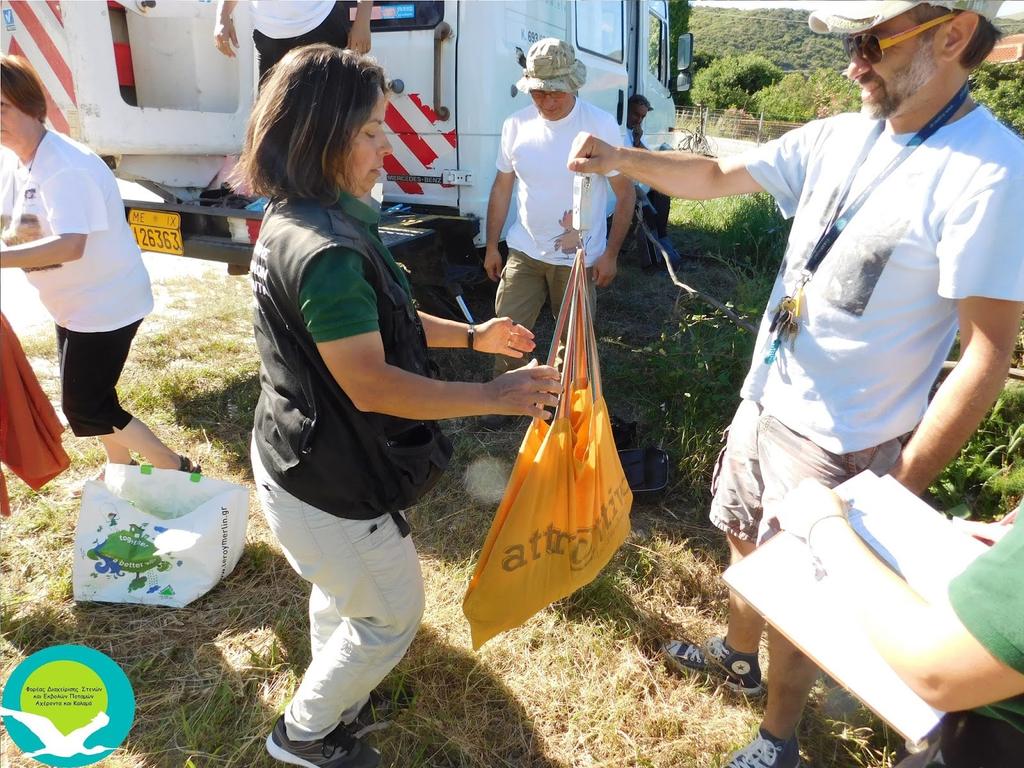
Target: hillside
[{"x": 779, "y": 34}]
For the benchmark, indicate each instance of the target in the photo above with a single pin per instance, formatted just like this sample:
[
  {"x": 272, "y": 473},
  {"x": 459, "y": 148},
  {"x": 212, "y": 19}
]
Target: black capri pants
[{"x": 90, "y": 365}]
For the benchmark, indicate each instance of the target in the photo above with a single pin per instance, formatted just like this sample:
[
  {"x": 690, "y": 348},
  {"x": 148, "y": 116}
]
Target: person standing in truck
[
  {"x": 280, "y": 25},
  {"x": 63, "y": 223},
  {"x": 345, "y": 436},
  {"x": 542, "y": 242}
]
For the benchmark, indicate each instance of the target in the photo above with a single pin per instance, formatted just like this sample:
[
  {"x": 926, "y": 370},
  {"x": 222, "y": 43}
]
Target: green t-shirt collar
[{"x": 357, "y": 209}]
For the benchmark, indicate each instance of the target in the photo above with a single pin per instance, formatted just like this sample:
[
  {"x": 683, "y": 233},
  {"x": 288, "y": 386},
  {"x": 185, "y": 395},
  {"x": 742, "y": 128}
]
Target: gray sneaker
[
  {"x": 740, "y": 671},
  {"x": 338, "y": 749}
]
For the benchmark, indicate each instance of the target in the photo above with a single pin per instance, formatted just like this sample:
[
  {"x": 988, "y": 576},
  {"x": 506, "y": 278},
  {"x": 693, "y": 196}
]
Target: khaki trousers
[
  {"x": 364, "y": 608},
  {"x": 525, "y": 284}
]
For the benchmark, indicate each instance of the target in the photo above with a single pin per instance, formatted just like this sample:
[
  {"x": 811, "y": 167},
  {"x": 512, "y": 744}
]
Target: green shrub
[
  {"x": 1000, "y": 87},
  {"x": 747, "y": 232},
  {"x": 732, "y": 81},
  {"x": 789, "y": 99},
  {"x": 797, "y": 98},
  {"x": 987, "y": 479}
]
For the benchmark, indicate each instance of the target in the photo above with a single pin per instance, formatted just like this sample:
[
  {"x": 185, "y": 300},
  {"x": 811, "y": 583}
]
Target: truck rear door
[
  {"x": 148, "y": 88},
  {"x": 415, "y": 43},
  {"x": 650, "y": 70},
  {"x": 600, "y": 28}
]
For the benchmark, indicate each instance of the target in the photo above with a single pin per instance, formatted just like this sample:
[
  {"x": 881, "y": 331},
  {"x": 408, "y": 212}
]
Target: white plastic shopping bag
[{"x": 156, "y": 536}]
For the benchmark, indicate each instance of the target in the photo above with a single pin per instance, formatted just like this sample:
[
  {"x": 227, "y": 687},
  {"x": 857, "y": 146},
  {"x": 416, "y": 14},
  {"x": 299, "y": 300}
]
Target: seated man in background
[{"x": 656, "y": 205}]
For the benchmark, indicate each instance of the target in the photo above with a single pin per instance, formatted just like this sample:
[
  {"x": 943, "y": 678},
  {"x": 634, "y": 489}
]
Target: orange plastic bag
[{"x": 566, "y": 507}]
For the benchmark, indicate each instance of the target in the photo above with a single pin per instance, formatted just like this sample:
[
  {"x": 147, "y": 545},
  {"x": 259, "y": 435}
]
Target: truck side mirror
[
  {"x": 684, "y": 58},
  {"x": 684, "y": 51}
]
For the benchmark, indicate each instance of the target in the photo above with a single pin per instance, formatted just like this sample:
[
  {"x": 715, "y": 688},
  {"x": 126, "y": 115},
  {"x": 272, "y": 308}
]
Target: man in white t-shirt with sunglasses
[{"x": 906, "y": 227}]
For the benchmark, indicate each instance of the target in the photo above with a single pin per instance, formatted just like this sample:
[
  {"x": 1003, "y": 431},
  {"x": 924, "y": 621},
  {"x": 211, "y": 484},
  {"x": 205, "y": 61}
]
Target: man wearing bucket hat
[
  {"x": 535, "y": 141},
  {"x": 906, "y": 226}
]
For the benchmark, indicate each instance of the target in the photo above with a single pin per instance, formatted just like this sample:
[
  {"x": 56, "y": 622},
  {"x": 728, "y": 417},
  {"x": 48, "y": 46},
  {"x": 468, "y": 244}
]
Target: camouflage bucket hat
[
  {"x": 851, "y": 18},
  {"x": 551, "y": 65}
]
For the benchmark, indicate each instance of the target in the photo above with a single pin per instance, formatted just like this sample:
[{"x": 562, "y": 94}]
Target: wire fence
[{"x": 729, "y": 124}]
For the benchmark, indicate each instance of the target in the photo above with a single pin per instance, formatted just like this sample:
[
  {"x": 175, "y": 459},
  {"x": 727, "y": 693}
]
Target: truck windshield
[{"x": 391, "y": 16}]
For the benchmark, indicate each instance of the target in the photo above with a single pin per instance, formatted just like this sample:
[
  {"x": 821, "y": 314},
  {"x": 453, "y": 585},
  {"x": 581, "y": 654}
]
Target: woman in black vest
[{"x": 344, "y": 435}]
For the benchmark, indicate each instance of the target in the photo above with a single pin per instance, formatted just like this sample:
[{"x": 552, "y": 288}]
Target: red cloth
[{"x": 29, "y": 428}]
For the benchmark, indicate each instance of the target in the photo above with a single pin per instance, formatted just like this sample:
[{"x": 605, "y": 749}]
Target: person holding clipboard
[{"x": 965, "y": 658}]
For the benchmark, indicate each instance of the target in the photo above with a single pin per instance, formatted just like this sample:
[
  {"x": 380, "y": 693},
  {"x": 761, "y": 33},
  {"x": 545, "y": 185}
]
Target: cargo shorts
[{"x": 763, "y": 460}]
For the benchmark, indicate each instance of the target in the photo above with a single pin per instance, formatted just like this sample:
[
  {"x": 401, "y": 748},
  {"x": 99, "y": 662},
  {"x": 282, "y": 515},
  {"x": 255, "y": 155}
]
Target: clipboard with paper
[{"x": 781, "y": 581}]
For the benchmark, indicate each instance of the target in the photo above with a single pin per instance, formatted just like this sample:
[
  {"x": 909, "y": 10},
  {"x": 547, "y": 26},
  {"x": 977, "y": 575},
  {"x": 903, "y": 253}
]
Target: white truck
[{"x": 141, "y": 83}]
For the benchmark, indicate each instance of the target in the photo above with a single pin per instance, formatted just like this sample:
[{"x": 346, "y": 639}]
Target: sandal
[{"x": 185, "y": 464}]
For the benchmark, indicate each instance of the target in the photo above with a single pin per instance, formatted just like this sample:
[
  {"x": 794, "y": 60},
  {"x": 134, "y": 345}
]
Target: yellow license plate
[{"x": 157, "y": 231}]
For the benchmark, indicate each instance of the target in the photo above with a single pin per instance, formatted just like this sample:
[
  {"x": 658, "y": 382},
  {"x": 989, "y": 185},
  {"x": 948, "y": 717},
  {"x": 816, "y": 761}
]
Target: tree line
[{"x": 768, "y": 63}]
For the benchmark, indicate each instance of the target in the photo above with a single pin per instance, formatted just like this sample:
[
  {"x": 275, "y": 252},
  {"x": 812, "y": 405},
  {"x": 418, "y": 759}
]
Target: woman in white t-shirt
[{"x": 63, "y": 223}]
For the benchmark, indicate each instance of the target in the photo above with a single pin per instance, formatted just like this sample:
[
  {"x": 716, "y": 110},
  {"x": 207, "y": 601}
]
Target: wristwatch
[{"x": 470, "y": 333}]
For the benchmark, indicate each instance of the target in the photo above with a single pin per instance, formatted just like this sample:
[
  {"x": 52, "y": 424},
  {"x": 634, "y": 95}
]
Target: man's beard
[{"x": 892, "y": 92}]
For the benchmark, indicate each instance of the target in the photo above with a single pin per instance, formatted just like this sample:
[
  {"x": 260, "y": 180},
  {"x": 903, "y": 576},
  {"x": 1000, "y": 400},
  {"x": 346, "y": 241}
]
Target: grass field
[{"x": 580, "y": 685}]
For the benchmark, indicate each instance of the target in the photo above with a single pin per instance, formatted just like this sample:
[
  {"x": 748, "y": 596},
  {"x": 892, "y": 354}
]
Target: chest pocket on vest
[{"x": 401, "y": 329}]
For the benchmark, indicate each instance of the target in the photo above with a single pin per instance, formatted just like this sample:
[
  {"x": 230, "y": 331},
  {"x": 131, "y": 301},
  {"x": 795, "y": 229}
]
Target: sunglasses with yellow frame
[{"x": 872, "y": 48}]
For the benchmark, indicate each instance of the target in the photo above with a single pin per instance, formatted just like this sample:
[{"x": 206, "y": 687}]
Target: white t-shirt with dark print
[
  {"x": 536, "y": 150},
  {"x": 69, "y": 190},
  {"x": 880, "y": 314}
]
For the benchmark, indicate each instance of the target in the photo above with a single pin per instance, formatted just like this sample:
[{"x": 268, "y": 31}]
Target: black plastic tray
[{"x": 646, "y": 472}]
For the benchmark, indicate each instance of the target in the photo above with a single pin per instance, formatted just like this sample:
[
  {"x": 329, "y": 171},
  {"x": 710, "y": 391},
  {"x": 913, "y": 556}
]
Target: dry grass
[{"x": 580, "y": 685}]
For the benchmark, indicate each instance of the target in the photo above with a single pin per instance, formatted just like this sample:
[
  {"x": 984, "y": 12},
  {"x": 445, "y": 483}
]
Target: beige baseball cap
[
  {"x": 551, "y": 65},
  {"x": 849, "y": 18}
]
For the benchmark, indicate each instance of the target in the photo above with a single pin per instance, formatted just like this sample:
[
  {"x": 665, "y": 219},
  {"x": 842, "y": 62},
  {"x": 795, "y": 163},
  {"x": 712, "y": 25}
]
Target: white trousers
[{"x": 364, "y": 609}]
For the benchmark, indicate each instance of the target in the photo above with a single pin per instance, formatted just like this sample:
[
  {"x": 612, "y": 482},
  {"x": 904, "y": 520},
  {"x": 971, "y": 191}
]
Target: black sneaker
[
  {"x": 338, "y": 749},
  {"x": 740, "y": 670},
  {"x": 377, "y": 712},
  {"x": 765, "y": 751}
]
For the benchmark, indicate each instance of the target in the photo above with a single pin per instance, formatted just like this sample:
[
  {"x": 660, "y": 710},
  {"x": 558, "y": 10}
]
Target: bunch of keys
[{"x": 785, "y": 325}]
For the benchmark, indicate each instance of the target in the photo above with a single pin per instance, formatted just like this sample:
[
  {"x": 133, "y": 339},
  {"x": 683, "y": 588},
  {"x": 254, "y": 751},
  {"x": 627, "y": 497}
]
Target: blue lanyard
[
  {"x": 839, "y": 222},
  {"x": 786, "y": 320}
]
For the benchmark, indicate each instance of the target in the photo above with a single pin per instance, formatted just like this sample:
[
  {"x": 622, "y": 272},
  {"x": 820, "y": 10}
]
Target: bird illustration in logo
[
  {"x": 569, "y": 241},
  {"x": 56, "y": 743},
  {"x": 174, "y": 540}
]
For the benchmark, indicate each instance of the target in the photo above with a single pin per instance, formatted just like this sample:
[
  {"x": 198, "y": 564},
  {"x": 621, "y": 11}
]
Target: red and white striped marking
[
  {"x": 419, "y": 144},
  {"x": 39, "y": 37}
]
